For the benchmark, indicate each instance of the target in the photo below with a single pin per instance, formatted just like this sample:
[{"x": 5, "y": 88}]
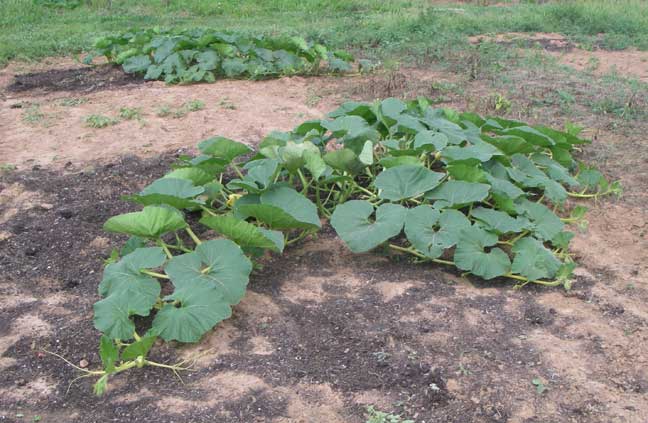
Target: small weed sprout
[
  {"x": 194, "y": 105},
  {"x": 130, "y": 113},
  {"x": 99, "y": 121},
  {"x": 33, "y": 115},
  {"x": 73, "y": 101},
  {"x": 225, "y": 103},
  {"x": 375, "y": 416},
  {"x": 182, "y": 111}
]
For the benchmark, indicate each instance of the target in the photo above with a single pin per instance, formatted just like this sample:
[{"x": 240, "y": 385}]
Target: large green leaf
[
  {"x": 406, "y": 181},
  {"x": 432, "y": 232},
  {"x": 392, "y": 161},
  {"x": 314, "y": 163},
  {"x": 152, "y": 222},
  {"x": 529, "y": 134},
  {"x": 259, "y": 177},
  {"x": 217, "y": 263},
  {"x": 243, "y": 233},
  {"x": 504, "y": 187},
  {"x": 545, "y": 224},
  {"x": 533, "y": 261},
  {"x": 270, "y": 215},
  {"x": 456, "y": 193},
  {"x": 112, "y": 314},
  {"x": 352, "y": 223},
  {"x": 175, "y": 192},
  {"x": 138, "y": 348},
  {"x": 223, "y": 148},
  {"x": 498, "y": 221},
  {"x": 555, "y": 170},
  {"x": 136, "y": 64},
  {"x": 126, "y": 275},
  {"x": 292, "y": 155},
  {"x": 295, "y": 204},
  {"x": 194, "y": 174},
  {"x": 430, "y": 140},
  {"x": 109, "y": 353},
  {"x": 345, "y": 160},
  {"x": 472, "y": 153},
  {"x": 128, "y": 292},
  {"x": 526, "y": 173},
  {"x": 352, "y": 131},
  {"x": 197, "y": 307},
  {"x": 470, "y": 254}
]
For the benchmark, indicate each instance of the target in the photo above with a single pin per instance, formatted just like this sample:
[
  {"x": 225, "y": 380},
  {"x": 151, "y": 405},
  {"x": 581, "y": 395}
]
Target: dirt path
[{"x": 322, "y": 333}]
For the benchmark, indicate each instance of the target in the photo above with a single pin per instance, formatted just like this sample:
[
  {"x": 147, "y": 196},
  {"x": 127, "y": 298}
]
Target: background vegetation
[{"x": 32, "y": 29}]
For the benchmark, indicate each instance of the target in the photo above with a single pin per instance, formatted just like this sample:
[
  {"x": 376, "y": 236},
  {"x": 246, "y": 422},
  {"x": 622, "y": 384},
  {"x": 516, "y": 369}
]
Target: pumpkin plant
[
  {"x": 204, "y": 55},
  {"x": 485, "y": 195}
]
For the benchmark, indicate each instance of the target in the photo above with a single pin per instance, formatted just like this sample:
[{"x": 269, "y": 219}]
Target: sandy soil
[{"x": 322, "y": 332}]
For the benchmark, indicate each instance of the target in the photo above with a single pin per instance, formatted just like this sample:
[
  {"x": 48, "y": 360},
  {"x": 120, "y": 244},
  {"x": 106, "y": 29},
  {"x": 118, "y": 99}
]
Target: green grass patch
[{"x": 401, "y": 27}]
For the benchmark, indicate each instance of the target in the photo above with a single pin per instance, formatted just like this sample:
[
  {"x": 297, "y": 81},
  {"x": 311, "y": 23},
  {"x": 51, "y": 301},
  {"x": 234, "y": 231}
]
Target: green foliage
[
  {"x": 99, "y": 121},
  {"x": 58, "y": 4},
  {"x": 130, "y": 113},
  {"x": 201, "y": 55},
  {"x": 375, "y": 416},
  {"x": 401, "y": 29},
  {"x": 181, "y": 111},
  {"x": 452, "y": 188}
]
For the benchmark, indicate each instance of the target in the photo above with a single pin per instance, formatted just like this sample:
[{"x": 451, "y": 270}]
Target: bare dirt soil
[{"x": 322, "y": 332}]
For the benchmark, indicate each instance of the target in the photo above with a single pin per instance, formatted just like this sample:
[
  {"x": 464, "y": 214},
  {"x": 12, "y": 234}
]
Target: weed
[
  {"x": 225, "y": 103},
  {"x": 163, "y": 111},
  {"x": 541, "y": 388},
  {"x": 99, "y": 121},
  {"x": 130, "y": 113},
  {"x": 375, "y": 416},
  {"x": 33, "y": 115},
  {"x": 502, "y": 104},
  {"x": 194, "y": 105},
  {"x": 7, "y": 167},
  {"x": 73, "y": 101},
  {"x": 182, "y": 111},
  {"x": 313, "y": 99}
]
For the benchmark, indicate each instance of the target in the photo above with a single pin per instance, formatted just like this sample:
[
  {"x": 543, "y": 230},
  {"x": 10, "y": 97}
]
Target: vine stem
[
  {"x": 419, "y": 255},
  {"x": 193, "y": 236},
  {"x": 581, "y": 195},
  {"x": 205, "y": 209},
  {"x": 509, "y": 275},
  {"x": 165, "y": 247},
  {"x": 305, "y": 184},
  {"x": 298, "y": 238},
  {"x": 154, "y": 274},
  {"x": 366, "y": 191}
]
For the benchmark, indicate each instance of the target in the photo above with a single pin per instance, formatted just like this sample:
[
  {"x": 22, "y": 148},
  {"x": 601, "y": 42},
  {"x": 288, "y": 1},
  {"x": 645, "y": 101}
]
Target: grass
[{"x": 380, "y": 29}]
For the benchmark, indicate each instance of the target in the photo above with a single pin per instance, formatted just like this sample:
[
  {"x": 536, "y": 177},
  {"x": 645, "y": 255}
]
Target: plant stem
[
  {"x": 165, "y": 247},
  {"x": 154, "y": 274},
  {"x": 419, "y": 255},
  {"x": 237, "y": 170},
  {"x": 579, "y": 195},
  {"x": 305, "y": 184},
  {"x": 298, "y": 238},
  {"x": 193, "y": 236},
  {"x": 205, "y": 209}
]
